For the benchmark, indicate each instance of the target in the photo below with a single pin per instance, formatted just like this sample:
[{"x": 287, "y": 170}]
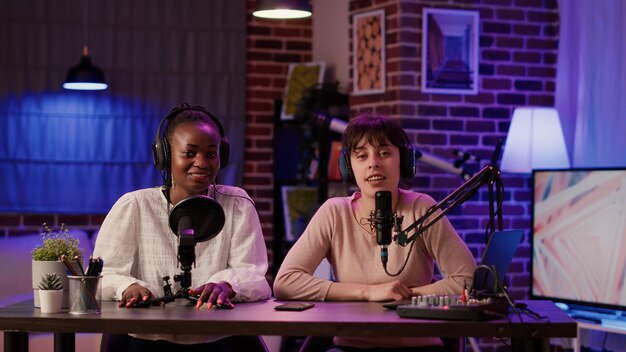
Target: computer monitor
[{"x": 579, "y": 237}]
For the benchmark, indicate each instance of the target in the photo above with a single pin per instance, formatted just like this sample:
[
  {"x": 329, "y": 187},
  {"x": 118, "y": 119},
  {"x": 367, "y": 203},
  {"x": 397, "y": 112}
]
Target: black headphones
[
  {"x": 161, "y": 153},
  {"x": 407, "y": 162}
]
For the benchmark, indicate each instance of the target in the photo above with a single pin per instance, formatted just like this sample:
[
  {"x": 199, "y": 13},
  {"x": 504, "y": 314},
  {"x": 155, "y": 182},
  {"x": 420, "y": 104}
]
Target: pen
[
  {"x": 90, "y": 267},
  {"x": 99, "y": 267},
  {"x": 80, "y": 266},
  {"x": 68, "y": 265}
]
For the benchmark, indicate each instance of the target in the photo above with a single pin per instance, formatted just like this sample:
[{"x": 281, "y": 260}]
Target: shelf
[{"x": 585, "y": 328}]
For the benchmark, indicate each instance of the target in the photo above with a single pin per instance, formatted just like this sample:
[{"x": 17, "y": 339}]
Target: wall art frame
[
  {"x": 450, "y": 43},
  {"x": 368, "y": 53}
]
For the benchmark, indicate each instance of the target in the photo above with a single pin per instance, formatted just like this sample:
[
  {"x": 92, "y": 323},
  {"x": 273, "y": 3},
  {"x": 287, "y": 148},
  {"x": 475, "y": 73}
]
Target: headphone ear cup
[
  {"x": 224, "y": 152},
  {"x": 407, "y": 162},
  {"x": 159, "y": 151},
  {"x": 345, "y": 169}
]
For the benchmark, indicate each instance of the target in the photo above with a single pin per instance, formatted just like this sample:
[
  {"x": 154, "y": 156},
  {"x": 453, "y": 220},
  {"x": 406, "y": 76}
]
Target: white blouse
[{"x": 138, "y": 246}]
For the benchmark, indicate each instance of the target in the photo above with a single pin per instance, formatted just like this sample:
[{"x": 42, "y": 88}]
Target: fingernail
[{"x": 209, "y": 305}]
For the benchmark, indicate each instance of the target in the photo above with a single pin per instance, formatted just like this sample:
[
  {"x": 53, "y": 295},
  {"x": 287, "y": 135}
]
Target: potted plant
[
  {"x": 51, "y": 293},
  {"x": 47, "y": 259}
]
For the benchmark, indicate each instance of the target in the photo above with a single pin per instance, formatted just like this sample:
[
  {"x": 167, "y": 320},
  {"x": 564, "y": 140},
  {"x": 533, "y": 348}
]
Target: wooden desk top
[{"x": 259, "y": 318}]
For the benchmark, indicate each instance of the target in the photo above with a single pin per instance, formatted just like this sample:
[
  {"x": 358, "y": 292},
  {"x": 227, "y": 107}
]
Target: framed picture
[
  {"x": 299, "y": 205},
  {"x": 300, "y": 77},
  {"x": 450, "y": 51},
  {"x": 368, "y": 52}
]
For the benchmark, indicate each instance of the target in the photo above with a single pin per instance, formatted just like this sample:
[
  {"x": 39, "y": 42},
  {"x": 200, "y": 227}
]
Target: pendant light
[
  {"x": 282, "y": 9},
  {"x": 85, "y": 75}
]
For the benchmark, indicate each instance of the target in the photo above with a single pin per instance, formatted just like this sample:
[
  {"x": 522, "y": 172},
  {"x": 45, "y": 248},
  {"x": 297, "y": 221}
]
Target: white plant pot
[
  {"x": 51, "y": 301},
  {"x": 41, "y": 268}
]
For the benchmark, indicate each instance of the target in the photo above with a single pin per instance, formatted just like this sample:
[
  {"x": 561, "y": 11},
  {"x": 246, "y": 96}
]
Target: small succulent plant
[{"x": 51, "y": 282}]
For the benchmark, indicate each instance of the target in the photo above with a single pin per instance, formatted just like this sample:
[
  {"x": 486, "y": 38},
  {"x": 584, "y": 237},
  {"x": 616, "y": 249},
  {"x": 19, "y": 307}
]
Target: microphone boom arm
[{"x": 490, "y": 174}]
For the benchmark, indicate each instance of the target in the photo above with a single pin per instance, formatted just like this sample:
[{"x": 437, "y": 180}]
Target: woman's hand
[
  {"x": 133, "y": 294},
  {"x": 394, "y": 290},
  {"x": 214, "y": 293}
]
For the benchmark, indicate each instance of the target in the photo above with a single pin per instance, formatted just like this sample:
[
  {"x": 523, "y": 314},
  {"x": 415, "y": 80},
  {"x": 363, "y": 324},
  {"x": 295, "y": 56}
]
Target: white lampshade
[{"x": 535, "y": 141}]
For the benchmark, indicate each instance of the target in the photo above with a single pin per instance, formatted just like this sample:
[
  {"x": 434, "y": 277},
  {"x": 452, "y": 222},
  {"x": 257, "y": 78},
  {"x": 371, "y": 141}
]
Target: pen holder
[{"x": 85, "y": 294}]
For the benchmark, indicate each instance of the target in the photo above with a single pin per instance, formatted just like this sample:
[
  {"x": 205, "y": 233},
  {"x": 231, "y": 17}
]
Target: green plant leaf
[
  {"x": 50, "y": 282},
  {"x": 56, "y": 244}
]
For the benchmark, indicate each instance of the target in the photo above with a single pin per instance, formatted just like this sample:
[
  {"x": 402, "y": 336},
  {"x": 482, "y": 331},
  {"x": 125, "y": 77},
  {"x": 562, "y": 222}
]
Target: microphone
[
  {"x": 199, "y": 216},
  {"x": 442, "y": 164},
  {"x": 383, "y": 220},
  {"x": 195, "y": 219},
  {"x": 334, "y": 124},
  {"x": 328, "y": 122},
  {"x": 186, "y": 241},
  {"x": 185, "y": 226}
]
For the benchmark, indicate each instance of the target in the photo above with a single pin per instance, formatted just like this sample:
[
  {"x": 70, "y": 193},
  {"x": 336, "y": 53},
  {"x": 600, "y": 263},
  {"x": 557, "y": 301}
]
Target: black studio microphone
[
  {"x": 383, "y": 220},
  {"x": 186, "y": 241},
  {"x": 195, "y": 219},
  {"x": 185, "y": 226}
]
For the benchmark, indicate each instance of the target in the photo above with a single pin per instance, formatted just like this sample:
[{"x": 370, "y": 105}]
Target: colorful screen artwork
[{"x": 579, "y": 236}]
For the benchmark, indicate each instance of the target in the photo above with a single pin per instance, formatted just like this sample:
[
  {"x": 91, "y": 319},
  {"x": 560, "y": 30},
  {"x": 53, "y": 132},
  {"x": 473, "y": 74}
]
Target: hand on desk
[
  {"x": 133, "y": 294},
  {"x": 214, "y": 294},
  {"x": 394, "y": 290}
]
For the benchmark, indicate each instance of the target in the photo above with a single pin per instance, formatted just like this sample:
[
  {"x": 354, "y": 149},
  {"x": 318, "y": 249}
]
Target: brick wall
[
  {"x": 272, "y": 46},
  {"x": 517, "y": 59},
  {"x": 517, "y": 65},
  {"x": 23, "y": 224}
]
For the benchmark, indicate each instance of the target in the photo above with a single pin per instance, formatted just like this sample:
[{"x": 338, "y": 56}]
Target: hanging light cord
[{"x": 85, "y": 34}]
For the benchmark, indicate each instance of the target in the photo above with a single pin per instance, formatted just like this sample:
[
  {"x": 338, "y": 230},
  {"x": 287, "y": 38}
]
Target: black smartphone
[{"x": 294, "y": 306}]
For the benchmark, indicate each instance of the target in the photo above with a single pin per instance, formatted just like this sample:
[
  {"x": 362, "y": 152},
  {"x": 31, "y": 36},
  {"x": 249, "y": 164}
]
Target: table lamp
[{"x": 535, "y": 141}]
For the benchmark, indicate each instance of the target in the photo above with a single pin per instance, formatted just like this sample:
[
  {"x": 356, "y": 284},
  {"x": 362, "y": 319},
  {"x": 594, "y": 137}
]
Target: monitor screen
[{"x": 579, "y": 237}]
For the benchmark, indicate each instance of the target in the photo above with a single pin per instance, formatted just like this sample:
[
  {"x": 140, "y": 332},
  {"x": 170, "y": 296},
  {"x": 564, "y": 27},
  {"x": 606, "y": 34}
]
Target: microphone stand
[
  {"x": 490, "y": 175},
  {"x": 194, "y": 219},
  {"x": 186, "y": 257}
]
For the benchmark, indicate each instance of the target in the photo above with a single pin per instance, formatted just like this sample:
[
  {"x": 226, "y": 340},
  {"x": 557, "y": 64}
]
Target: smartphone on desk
[{"x": 294, "y": 306}]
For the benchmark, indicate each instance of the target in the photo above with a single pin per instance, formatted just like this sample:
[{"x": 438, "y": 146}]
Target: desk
[{"x": 259, "y": 318}]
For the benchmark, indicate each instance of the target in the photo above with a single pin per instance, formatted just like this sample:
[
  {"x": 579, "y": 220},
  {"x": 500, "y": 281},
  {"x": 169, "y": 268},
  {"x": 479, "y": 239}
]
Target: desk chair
[
  {"x": 120, "y": 342},
  {"x": 322, "y": 343}
]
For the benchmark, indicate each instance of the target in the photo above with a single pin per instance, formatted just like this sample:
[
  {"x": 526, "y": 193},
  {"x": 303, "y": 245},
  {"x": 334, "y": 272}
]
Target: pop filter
[{"x": 206, "y": 217}]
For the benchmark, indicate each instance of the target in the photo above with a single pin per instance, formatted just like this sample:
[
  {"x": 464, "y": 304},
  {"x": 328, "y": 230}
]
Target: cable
[
  {"x": 606, "y": 335},
  {"x": 499, "y": 202},
  {"x": 215, "y": 190},
  {"x": 498, "y": 287},
  {"x": 418, "y": 230}
]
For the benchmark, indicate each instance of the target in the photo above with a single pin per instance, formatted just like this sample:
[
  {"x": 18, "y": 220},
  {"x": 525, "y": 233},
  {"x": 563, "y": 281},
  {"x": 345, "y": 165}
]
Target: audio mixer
[{"x": 453, "y": 307}]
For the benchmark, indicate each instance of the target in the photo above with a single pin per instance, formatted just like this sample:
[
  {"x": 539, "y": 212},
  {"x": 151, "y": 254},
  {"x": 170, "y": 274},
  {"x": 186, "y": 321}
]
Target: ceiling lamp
[
  {"x": 85, "y": 75},
  {"x": 282, "y": 9}
]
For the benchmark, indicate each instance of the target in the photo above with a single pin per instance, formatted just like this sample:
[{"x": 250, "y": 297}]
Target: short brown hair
[{"x": 375, "y": 128}]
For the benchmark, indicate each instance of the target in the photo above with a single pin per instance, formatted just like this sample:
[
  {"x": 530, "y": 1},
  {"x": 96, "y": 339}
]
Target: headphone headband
[
  {"x": 407, "y": 162},
  {"x": 161, "y": 147}
]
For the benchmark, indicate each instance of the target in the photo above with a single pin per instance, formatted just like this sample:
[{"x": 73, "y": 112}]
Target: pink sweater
[{"x": 334, "y": 233}]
